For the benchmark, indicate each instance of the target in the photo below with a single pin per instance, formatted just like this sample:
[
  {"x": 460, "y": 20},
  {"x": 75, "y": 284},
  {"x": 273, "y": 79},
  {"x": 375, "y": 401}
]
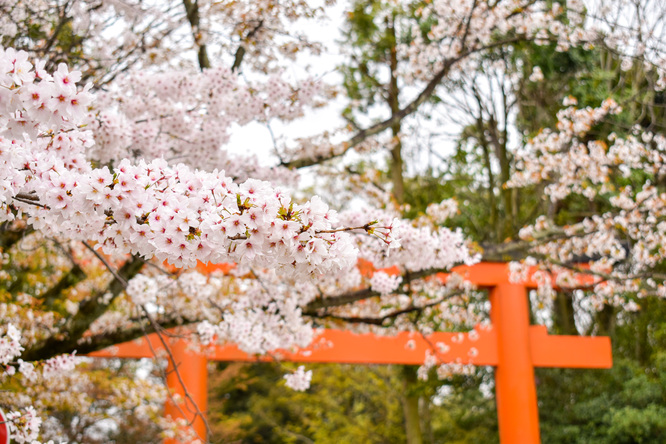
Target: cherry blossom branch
[
  {"x": 90, "y": 309},
  {"x": 240, "y": 52},
  {"x": 30, "y": 199},
  {"x": 153, "y": 352},
  {"x": 409, "y": 109},
  {"x": 106, "y": 264},
  {"x": 364, "y": 134},
  {"x": 379, "y": 321},
  {"x": 74, "y": 276},
  {"x": 338, "y": 300},
  {"x": 367, "y": 228},
  {"x": 104, "y": 340},
  {"x": 366, "y": 293}
]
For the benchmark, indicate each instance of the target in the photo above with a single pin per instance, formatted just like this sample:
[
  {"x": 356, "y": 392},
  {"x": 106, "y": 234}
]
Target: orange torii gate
[{"x": 511, "y": 345}]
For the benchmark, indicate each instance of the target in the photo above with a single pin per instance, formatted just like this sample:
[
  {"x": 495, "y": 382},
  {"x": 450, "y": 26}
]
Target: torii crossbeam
[{"x": 511, "y": 345}]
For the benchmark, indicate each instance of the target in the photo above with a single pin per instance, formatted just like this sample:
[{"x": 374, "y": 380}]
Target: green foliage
[
  {"x": 626, "y": 404},
  {"x": 465, "y": 415},
  {"x": 564, "y": 74},
  {"x": 370, "y": 38},
  {"x": 590, "y": 76},
  {"x": 249, "y": 403},
  {"x": 361, "y": 404}
]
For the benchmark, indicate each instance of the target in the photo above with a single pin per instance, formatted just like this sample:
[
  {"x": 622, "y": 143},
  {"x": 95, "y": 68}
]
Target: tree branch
[
  {"x": 366, "y": 293},
  {"x": 70, "y": 279},
  {"x": 412, "y": 107},
  {"x": 192, "y": 12},
  {"x": 90, "y": 310},
  {"x": 380, "y": 320},
  {"x": 240, "y": 52}
]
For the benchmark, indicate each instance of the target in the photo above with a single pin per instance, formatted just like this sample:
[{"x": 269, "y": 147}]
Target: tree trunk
[
  {"x": 426, "y": 420},
  {"x": 394, "y": 103},
  {"x": 410, "y": 406},
  {"x": 410, "y": 397},
  {"x": 496, "y": 230},
  {"x": 564, "y": 322},
  {"x": 606, "y": 321}
]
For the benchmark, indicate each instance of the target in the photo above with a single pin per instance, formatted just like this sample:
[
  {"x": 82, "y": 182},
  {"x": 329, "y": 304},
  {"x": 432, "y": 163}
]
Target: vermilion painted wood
[
  {"x": 490, "y": 274},
  {"x": 569, "y": 351},
  {"x": 345, "y": 347},
  {"x": 341, "y": 346},
  {"x": 404, "y": 348},
  {"x": 192, "y": 370},
  {"x": 515, "y": 391},
  {"x": 512, "y": 346}
]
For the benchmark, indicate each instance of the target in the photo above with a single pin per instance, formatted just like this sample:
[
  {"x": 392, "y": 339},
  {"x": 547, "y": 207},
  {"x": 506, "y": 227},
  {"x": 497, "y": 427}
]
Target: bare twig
[
  {"x": 197, "y": 412},
  {"x": 115, "y": 274}
]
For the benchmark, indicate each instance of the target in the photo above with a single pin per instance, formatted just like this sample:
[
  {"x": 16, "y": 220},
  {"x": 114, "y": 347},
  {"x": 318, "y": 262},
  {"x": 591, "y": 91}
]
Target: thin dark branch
[
  {"x": 90, "y": 309},
  {"x": 106, "y": 264},
  {"x": 412, "y": 107},
  {"x": 379, "y": 321},
  {"x": 240, "y": 52},
  {"x": 175, "y": 365}
]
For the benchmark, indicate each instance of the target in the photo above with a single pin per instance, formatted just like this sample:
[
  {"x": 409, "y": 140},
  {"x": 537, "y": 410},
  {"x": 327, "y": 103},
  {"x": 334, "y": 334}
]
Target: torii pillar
[
  {"x": 515, "y": 390},
  {"x": 511, "y": 345}
]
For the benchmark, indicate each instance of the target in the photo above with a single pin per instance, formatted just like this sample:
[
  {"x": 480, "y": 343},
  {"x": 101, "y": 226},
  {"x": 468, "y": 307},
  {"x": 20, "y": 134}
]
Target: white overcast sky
[{"x": 256, "y": 137}]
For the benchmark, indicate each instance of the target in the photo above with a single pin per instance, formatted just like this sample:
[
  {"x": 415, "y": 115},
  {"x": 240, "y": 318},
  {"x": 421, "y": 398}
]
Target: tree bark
[
  {"x": 192, "y": 11},
  {"x": 426, "y": 420},
  {"x": 563, "y": 319},
  {"x": 410, "y": 406},
  {"x": 89, "y": 310},
  {"x": 397, "y": 165}
]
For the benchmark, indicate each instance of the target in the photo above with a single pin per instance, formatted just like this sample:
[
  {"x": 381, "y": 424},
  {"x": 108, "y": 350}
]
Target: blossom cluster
[
  {"x": 537, "y": 74},
  {"x": 482, "y": 21},
  {"x": 148, "y": 208},
  {"x": 181, "y": 216},
  {"x": 383, "y": 283},
  {"x": 257, "y": 312},
  {"x": 32, "y": 99},
  {"x": 37, "y": 403},
  {"x": 24, "y": 426},
  {"x": 299, "y": 380},
  {"x": 10, "y": 345},
  {"x": 50, "y": 369},
  {"x": 442, "y": 211},
  {"x": 142, "y": 289},
  {"x": 413, "y": 246},
  {"x": 186, "y": 117},
  {"x": 621, "y": 246},
  {"x": 560, "y": 154}
]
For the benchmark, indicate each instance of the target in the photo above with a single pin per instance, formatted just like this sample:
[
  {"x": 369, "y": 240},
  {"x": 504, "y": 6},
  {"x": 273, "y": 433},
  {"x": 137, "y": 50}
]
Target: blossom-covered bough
[
  {"x": 177, "y": 215},
  {"x": 110, "y": 182},
  {"x": 622, "y": 247}
]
